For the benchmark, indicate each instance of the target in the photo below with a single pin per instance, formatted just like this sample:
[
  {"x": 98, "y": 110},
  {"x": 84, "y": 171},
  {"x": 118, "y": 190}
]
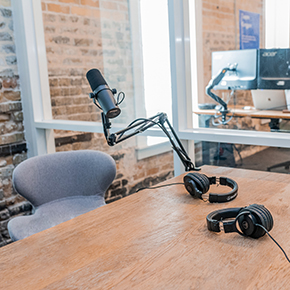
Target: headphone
[
  {"x": 253, "y": 220},
  {"x": 198, "y": 184}
]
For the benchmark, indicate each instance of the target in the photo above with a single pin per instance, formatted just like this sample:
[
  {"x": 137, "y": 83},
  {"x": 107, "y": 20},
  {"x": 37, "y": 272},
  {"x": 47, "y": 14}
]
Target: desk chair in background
[{"x": 60, "y": 186}]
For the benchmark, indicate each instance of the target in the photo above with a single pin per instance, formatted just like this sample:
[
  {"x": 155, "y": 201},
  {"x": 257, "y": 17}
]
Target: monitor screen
[
  {"x": 245, "y": 76},
  {"x": 274, "y": 68}
]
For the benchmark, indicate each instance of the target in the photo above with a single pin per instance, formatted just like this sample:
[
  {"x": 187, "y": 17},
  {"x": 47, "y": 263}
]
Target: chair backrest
[{"x": 49, "y": 177}]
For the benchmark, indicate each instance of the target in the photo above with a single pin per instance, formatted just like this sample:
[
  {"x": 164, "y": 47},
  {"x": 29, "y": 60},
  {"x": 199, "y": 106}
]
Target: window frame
[{"x": 186, "y": 75}]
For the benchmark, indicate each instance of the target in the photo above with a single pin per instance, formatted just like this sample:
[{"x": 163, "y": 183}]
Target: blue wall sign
[{"x": 249, "y": 30}]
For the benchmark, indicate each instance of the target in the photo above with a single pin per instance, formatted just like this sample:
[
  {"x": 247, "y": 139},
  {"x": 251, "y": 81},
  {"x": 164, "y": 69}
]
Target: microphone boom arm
[{"x": 142, "y": 125}]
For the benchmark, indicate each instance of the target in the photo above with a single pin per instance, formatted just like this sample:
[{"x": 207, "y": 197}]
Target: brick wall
[{"x": 12, "y": 141}]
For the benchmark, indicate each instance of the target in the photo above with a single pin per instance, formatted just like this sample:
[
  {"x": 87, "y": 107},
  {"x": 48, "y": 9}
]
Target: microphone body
[{"x": 103, "y": 93}]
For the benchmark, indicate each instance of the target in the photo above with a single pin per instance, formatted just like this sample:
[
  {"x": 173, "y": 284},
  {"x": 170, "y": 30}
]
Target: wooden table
[{"x": 158, "y": 239}]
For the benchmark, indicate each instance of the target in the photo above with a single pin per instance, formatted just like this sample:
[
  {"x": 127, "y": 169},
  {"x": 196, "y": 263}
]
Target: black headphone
[
  {"x": 198, "y": 184},
  {"x": 253, "y": 220}
]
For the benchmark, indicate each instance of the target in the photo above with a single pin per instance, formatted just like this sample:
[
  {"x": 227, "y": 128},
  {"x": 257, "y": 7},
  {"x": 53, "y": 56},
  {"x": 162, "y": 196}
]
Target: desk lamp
[{"x": 103, "y": 98}]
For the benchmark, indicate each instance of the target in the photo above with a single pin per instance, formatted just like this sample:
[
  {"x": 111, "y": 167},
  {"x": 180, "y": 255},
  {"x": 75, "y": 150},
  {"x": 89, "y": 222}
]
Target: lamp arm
[{"x": 141, "y": 125}]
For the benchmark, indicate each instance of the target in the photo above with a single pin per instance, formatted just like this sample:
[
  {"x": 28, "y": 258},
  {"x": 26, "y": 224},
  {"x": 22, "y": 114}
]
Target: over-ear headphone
[
  {"x": 198, "y": 184},
  {"x": 253, "y": 220}
]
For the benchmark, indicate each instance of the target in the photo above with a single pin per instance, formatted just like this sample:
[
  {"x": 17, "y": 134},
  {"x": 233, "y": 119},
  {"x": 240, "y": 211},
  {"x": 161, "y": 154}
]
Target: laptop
[{"x": 269, "y": 99}]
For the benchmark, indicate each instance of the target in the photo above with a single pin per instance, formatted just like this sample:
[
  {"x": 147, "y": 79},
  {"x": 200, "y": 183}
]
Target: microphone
[{"x": 103, "y": 94}]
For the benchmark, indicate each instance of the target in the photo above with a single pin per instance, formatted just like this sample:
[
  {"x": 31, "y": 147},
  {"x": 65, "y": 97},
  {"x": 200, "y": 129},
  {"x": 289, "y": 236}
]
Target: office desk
[
  {"x": 158, "y": 239},
  {"x": 239, "y": 112},
  {"x": 261, "y": 114}
]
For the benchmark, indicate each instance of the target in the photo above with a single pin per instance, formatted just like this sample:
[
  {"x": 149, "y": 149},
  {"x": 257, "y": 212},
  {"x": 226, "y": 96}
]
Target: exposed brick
[
  {"x": 10, "y": 83},
  {"x": 61, "y": 40},
  {"x": 5, "y": 36},
  {"x": 152, "y": 171},
  {"x": 2, "y": 203},
  {"x": 115, "y": 185},
  {"x": 76, "y": 82},
  {"x": 11, "y": 60},
  {"x": 8, "y": 48},
  {"x": 83, "y": 42},
  {"x": 119, "y": 192},
  {"x": 57, "y": 8},
  {"x": 118, "y": 156},
  {"x": 60, "y": 141},
  {"x": 6, "y": 107},
  {"x": 119, "y": 175},
  {"x": 4, "y": 214},
  {"x": 124, "y": 182},
  {"x": 64, "y": 82},
  {"x": 81, "y": 11},
  {"x": 18, "y": 116},
  {"x": 92, "y": 3},
  {"x": 22, "y": 207},
  {"x": 70, "y": 1},
  {"x": 109, "y": 5},
  {"x": 55, "y": 92},
  {"x": 53, "y": 82},
  {"x": 11, "y": 138},
  {"x": 114, "y": 198},
  {"x": 11, "y": 95},
  {"x": 6, "y": 12},
  {"x": 4, "y": 117}
]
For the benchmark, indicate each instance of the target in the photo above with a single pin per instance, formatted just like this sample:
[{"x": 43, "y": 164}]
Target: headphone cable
[
  {"x": 274, "y": 241},
  {"x": 158, "y": 186}
]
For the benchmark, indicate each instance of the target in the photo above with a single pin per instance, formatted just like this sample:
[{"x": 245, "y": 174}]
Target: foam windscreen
[{"x": 95, "y": 78}]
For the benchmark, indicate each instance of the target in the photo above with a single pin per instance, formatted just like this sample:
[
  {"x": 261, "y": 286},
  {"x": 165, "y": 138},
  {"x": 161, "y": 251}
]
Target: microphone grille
[{"x": 95, "y": 78}]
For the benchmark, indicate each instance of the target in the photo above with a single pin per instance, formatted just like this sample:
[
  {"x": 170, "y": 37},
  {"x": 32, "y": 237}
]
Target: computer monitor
[
  {"x": 273, "y": 69},
  {"x": 245, "y": 75}
]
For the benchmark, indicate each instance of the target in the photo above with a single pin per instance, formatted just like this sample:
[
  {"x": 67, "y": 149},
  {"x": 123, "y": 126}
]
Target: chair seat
[{"x": 51, "y": 214}]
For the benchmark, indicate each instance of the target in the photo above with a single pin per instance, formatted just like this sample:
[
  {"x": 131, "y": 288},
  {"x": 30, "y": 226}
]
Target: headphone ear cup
[
  {"x": 201, "y": 182},
  {"x": 259, "y": 215},
  {"x": 247, "y": 222},
  {"x": 265, "y": 217}
]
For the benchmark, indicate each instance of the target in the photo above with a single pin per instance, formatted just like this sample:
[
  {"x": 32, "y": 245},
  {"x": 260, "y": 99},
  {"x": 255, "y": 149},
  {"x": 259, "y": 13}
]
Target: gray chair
[{"x": 60, "y": 186}]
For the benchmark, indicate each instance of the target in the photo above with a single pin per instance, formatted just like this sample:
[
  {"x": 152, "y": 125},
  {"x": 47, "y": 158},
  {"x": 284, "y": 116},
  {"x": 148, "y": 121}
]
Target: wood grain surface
[
  {"x": 158, "y": 239},
  {"x": 240, "y": 112}
]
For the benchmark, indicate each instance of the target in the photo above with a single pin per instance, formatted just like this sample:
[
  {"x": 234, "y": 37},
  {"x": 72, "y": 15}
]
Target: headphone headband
[
  {"x": 213, "y": 197},
  {"x": 215, "y": 218},
  {"x": 198, "y": 184}
]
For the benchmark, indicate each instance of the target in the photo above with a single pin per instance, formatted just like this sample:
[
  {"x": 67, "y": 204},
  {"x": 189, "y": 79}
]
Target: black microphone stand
[{"x": 142, "y": 124}]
